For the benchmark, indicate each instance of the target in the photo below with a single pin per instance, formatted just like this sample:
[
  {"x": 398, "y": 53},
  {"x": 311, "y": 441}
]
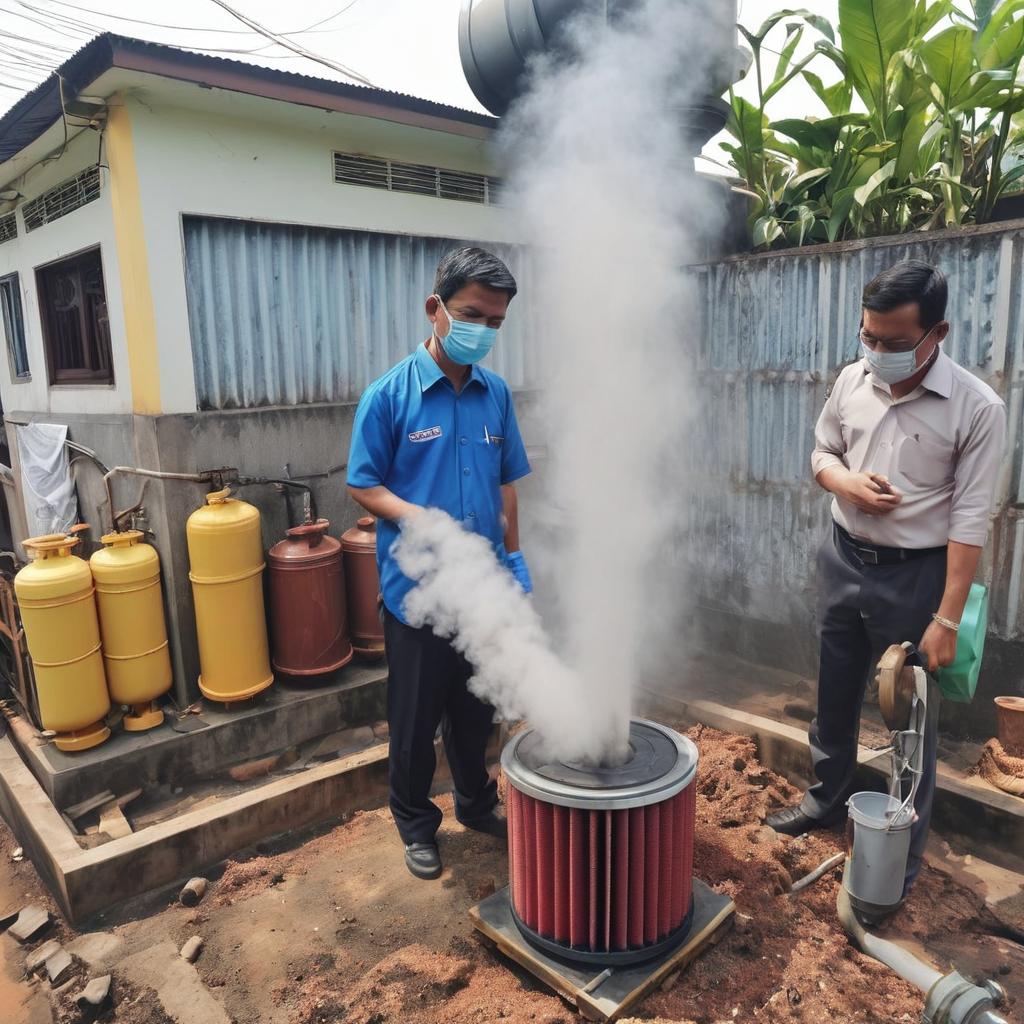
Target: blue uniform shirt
[{"x": 418, "y": 438}]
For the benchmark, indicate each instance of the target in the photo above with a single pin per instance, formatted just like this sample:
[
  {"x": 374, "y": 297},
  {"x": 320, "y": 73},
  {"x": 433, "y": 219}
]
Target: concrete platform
[
  {"x": 86, "y": 881},
  {"x": 285, "y": 715},
  {"x": 966, "y": 808}
]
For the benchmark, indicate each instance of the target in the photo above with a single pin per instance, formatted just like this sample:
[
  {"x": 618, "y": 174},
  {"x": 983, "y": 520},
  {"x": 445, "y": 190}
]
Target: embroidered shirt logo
[{"x": 425, "y": 435}]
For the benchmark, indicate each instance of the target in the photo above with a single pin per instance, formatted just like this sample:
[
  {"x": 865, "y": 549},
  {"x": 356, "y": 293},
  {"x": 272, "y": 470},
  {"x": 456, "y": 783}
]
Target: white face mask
[{"x": 893, "y": 367}]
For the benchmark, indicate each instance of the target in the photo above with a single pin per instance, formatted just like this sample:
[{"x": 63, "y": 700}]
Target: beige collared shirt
[{"x": 940, "y": 446}]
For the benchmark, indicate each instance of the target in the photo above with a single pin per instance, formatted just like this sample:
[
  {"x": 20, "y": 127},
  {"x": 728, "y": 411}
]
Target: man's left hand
[
  {"x": 937, "y": 647},
  {"x": 516, "y": 564}
]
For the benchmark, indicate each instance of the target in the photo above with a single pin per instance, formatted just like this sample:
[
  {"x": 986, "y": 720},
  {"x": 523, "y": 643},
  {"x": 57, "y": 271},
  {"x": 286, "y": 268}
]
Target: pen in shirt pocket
[{"x": 487, "y": 436}]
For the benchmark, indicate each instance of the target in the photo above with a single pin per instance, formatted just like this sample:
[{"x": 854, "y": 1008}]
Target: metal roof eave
[{"x": 39, "y": 109}]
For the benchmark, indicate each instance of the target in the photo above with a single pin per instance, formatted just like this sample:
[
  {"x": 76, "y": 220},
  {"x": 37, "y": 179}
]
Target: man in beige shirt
[{"x": 909, "y": 444}]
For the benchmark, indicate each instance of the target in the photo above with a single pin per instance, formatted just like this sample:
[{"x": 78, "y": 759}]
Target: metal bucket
[{"x": 881, "y": 845}]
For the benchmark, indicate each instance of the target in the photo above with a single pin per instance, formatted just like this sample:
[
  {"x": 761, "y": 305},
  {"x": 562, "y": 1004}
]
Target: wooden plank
[
  {"x": 598, "y": 994},
  {"x": 123, "y": 801},
  {"x": 562, "y": 979},
  {"x": 113, "y": 822},
  {"x": 611, "y": 1002},
  {"x": 85, "y": 806}
]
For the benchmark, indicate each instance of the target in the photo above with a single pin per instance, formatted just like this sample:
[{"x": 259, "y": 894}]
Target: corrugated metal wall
[
  {"x": 775, "y": 331},
  {"x": 285, "y": 315}
]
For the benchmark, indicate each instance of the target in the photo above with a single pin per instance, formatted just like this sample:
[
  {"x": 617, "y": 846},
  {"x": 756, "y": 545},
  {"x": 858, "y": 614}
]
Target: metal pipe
[
  {"x": 822, "y": 869},
  {"x": 81, "y": 449},
  {"x": 949, "y": 998},
  {"x": 199, "y": 478},
  {"x": 309, "y": 501},
  {"x": 340, "y": 467}
]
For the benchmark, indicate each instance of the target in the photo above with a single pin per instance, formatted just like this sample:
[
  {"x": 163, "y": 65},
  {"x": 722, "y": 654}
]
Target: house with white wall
[{"x": 203, "y": 263}]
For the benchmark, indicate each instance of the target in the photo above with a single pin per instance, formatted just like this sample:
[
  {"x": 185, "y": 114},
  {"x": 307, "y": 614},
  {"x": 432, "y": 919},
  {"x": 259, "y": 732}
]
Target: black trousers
[
  {"x": 862, "y": 609},
  {"x": 427, "y": 687}
]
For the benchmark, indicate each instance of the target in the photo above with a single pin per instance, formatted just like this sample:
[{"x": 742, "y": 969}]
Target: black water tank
[{"x": 497, "y": 37}]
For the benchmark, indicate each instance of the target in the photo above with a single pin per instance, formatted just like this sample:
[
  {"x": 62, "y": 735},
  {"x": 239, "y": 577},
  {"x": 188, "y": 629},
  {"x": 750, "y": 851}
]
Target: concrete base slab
[
  {"x": 86, "y": 881},
  {"x": 177, "y": 985},
  {"x": 286, "y": 715},
  {"x": 100, "y": 951},
  {"x": 965, "y": 807}
]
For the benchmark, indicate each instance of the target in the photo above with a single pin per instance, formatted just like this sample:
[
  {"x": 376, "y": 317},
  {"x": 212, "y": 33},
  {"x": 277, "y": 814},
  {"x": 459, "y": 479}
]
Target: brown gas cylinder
[
  {"x": 363, "y": 585},
  {"x": 308, "y": 625}
]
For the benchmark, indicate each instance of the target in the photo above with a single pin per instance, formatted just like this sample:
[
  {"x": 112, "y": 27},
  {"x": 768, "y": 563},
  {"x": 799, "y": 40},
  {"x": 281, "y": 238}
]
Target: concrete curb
[
  {"x": 87, "y": 881},
  {"x": 990, "y": 822}
]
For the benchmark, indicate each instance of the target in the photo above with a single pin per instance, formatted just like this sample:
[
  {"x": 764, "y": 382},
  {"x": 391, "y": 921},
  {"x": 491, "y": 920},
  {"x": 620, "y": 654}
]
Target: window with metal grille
[
  {"x": 14, "y": 326},
  {"x": 62, "y": 199},
  {"x": 8, "y": 227},
  {"x": 76, "y": 330},
  {"x": 419, "y": 179}
]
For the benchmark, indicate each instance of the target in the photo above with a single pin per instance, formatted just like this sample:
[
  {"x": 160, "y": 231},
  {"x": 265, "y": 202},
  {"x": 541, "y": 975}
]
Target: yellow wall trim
[{"x": 137, "y": 294}]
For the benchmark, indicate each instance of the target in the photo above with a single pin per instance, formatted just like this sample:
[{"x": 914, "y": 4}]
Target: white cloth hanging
[{"x": 49, "y": 489}]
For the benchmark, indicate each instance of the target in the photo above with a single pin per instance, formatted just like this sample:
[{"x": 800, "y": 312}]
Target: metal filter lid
[{"x": 661, "y": 764}]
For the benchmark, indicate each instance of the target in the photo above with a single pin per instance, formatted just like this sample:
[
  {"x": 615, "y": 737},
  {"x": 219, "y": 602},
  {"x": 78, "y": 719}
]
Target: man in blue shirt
[{"x": 439, "y": 431}]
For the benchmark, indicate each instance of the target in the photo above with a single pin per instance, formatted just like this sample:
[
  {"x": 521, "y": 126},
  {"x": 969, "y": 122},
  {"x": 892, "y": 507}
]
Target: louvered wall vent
[
  {"x": 62, "y": 199},
  {"x": 8, "y": 227},
  {"x": 420, "y": 179}
]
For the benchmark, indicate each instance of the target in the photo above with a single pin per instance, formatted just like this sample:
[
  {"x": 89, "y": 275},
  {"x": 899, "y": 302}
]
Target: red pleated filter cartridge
[{"x": 601, "y": 857}]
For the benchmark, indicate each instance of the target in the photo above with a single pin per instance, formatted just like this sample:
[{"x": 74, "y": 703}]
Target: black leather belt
[{"x": 874, "y": 554}]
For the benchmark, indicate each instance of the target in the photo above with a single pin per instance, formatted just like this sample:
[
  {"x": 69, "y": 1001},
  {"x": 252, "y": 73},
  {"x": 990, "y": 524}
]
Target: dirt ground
[{"x": 330, "y": 927}]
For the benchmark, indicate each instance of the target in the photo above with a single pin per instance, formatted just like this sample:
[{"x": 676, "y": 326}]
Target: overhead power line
[
  {"x": 84, "y": 29},
  {"x": 323, "y": 21},
  {"x": 193, "y": 28},
  {"x": 288, "y": 44},
  {"x": 26, "y": 61},
  {"x": 29, "y": 59},
  {"x": 18, "y": 74},
  {"x": 49, "y": 24},
  {"x": 36, "y": 43}
]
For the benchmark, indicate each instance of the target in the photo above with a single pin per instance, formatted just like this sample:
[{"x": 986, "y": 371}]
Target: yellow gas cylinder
[
  {"x": 131, "y": 610},
  {"x": 58, "y": 611},
  {"x": 225, "y": 553}
]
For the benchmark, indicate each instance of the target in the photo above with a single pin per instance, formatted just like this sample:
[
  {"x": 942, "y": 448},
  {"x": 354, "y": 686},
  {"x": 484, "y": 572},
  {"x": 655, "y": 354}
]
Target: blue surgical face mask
[
  {"x": 893, "y": 367},
  {"x": 465, "y": 343}
]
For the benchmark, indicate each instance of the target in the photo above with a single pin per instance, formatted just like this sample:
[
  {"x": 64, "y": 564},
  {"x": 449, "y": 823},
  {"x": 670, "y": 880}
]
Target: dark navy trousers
[
  {"x": 427, "y": 687},
  {"x": 862, "y": 609}
]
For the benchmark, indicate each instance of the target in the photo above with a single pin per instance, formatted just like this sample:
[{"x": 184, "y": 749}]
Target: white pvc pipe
[{"x": 904, "y": 963}]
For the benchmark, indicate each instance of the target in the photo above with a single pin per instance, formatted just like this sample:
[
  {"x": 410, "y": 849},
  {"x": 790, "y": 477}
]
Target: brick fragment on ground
[
  {"x": 58, "y": 965},
  {"x": 32, "y": 921},
  {"x": 95, "y": 995},
  {"x": 36, "y": 960}
]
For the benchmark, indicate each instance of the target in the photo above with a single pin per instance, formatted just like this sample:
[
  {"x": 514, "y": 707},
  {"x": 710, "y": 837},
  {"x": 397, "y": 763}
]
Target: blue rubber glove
[{"x": 516, "y": 564}]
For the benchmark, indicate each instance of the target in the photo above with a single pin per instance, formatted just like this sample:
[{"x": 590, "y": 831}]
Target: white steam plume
[
  {"x": 603, "y": 190},
  {"x": 464, "y": 593}
]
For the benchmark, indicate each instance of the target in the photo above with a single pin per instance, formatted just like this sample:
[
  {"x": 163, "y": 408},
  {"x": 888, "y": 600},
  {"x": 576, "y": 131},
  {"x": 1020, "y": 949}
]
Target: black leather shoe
[
  {"x": 492, "y": 824},
  {"x": 423, "y": 860},
  {"x": 791, "y": 821}
]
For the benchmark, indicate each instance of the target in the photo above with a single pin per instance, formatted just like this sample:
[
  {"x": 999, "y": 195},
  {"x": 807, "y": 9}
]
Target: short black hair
[
  {"x": 909, "y": 281},
  {"x": 462, "y": 266}
]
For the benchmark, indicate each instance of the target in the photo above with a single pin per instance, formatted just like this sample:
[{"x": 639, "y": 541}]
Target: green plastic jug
[{"x": 959, "y": 680}]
